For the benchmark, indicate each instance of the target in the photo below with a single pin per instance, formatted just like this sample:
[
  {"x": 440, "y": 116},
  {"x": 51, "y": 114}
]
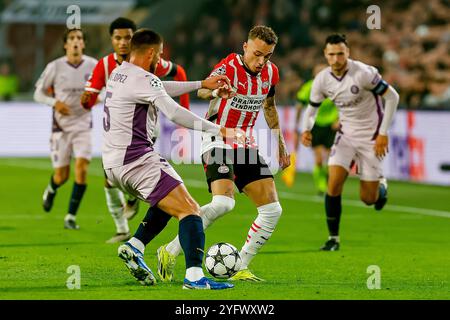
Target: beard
[{"x": 153, "y": 66}]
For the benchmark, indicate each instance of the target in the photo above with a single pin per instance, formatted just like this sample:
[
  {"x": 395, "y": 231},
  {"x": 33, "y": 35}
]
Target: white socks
[
  {"x": 69, "y": 216},
  {"x": 335, "y": 238},
  {"x": 137, "y": 244},
  {"x": 194, "y": 273},
  {"x": 260, "y": 231},
  {"x": 115, "y": 201},
  {"x": 209, "y": 213}
]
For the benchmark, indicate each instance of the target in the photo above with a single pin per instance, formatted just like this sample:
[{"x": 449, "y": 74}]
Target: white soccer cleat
[
  {"x": 119, "y": 237},
  {"x": 383, "y": 195}
]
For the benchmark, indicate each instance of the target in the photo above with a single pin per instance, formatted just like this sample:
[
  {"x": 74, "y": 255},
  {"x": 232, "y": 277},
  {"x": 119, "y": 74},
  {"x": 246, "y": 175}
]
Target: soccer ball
[{"x": 222, "y": 260}]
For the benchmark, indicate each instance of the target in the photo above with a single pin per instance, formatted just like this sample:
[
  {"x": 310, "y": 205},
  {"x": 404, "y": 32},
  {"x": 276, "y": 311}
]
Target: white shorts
[
  {"x": 345, "y": 150},
  {"x": 64, "y": 144},
  {"x": 149, "y": 178}
]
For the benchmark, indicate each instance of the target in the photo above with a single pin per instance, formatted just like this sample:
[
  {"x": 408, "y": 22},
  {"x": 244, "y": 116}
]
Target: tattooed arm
[{"x": 271, "y": 115}]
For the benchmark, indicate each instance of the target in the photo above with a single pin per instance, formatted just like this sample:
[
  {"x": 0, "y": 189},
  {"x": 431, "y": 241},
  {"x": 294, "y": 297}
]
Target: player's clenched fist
[
  {"x": 306, "y": 138},
  {"x": 85, "y": 98},
  {"x": 284, "y": 160},
  {"x": 216, "y": 82}
]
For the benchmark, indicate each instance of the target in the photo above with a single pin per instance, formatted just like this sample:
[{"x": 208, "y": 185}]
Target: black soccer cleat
[
  {"x": 330, "y": 245},
  {"x": 382, "y": 198},
  {"x": 48, "y": 198}
]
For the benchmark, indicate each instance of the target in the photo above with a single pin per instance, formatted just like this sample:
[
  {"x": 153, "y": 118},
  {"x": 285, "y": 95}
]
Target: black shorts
[
  {"x": 240, "y": 165},
  {"x": 322, "y": 136}
]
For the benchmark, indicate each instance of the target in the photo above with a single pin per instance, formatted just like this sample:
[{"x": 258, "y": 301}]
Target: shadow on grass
[
  {"x": 37, "y": 244},
  {"x": 7, "y": 228}
]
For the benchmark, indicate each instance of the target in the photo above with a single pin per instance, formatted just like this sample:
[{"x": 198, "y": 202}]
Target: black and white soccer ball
[{"x": 222, "y": 260}]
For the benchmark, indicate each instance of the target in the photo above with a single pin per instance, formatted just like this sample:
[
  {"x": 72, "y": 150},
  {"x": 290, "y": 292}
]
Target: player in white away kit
[
  {"x": 133, "y": 98},
  {"x": 227, "y": 164},
  {"x": 356, "y": 89},
  {"x": 71, "y": 129}
]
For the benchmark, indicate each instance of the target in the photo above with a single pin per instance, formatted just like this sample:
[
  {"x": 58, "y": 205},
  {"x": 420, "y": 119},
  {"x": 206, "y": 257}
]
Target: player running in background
[
  {"x": 356, "y": 89},
  {"x": 121, "y": 30},
  {"x": 72, "y": 125},
  {"x": 228, "y": 164},
  {"x": 323, "y": 134},
  {"x": 133, "y": 98}
]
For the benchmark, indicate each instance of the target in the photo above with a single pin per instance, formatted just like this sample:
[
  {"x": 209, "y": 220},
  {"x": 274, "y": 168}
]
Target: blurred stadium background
[{"x": 411, "y": 50}]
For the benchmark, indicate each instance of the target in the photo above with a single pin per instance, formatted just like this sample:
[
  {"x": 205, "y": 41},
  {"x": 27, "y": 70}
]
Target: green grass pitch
[{"x": 409, "y": 241}]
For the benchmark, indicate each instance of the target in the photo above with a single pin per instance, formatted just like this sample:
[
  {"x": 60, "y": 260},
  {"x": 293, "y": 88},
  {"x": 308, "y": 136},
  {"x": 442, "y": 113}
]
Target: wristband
[{"x": 214, "y": 93}]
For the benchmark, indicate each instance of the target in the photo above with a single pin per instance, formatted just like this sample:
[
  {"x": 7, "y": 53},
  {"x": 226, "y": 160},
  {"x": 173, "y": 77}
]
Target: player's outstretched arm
[
  {"x": 307, "y": 123},
  {"x": 391, "y": 99},
  {"x": 177, "y": 88},
  {"x": 224, "y": 92},
  {"x": 271, "y": 116},
  {"x": 181, "y": 75},
  {"x": 185, "y": 118}
]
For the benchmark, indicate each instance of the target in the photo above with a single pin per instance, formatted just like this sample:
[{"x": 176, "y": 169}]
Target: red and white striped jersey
[
  {"x": 242, "y": 110},
  {"x": 107, "y": 64}
]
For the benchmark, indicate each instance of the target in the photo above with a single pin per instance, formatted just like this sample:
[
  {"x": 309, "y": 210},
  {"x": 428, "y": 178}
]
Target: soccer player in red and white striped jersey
[
  {"x": 121, "y": 31},
  {"x": 226, "y": 163}
]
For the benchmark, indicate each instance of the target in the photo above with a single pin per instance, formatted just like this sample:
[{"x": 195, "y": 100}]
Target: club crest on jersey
[
  {"x": 223, "y": 169},
  {"x": 219, "y": 71},
  {"x": 265, "y": 84},
  {"x": 156, "y": 83},
  {"x": 354, "y": 89}
]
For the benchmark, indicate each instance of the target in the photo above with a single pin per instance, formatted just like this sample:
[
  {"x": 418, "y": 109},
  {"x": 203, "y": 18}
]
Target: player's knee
[
  {"x": 368, "y": 199},
  {"x": 270, "y": 213},
  {"x": 60, "y": 177},
  {"x": 221, "y": 205}
]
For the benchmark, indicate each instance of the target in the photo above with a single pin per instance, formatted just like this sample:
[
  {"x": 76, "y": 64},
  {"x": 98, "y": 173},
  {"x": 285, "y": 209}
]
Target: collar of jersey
[{"x": 241, "y": 60}]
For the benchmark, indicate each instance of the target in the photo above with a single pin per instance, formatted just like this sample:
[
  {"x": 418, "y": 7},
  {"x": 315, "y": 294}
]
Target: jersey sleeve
[
  {"x": 169, "y": 69},
  {"x": 165, "y": 68},
  {"x": 370, "y": 79},
  {"x": 316, "y": 96},
  {"x": 96, "y": 80},
  {"x": 95, "y": 84},
  {"x": 222, "y": 68},
  {"x": 180, "y": 75},
  {"x": 150, "y": 89},
  {"x": 47, "y": 78},
  {"x": 275, "y": 75}
]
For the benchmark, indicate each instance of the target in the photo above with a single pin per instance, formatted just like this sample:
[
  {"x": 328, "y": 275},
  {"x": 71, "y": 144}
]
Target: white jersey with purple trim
[
  {"x": 130, "y": 116},
  {"x": 357, "y": 94},
  {"x": 66, "y": 82}
]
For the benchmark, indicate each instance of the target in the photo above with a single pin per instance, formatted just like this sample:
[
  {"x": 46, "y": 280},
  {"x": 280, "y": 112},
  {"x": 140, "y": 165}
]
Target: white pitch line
[
  {"x": 39, "y": 165},
  {"x": 353, "y": 203}
]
